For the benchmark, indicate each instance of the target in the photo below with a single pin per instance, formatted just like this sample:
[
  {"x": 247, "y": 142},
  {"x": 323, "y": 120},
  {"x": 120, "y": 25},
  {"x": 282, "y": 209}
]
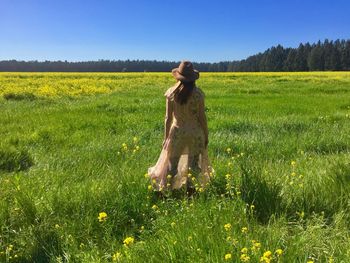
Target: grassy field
[{"x": 74, "y": 149}]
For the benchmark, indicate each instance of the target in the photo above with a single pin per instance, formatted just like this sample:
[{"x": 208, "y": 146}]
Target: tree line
[
  {"x": 320, "y": 56},
  {"x": 103, "y": 66}
]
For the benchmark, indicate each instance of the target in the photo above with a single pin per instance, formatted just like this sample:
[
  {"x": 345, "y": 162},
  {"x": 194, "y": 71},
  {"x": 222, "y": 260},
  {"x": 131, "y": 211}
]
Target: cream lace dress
[{"x": 183, "y": 160}]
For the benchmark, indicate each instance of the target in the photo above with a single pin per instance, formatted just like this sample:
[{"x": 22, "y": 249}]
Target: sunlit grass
[{"x": 75, "y": 147}]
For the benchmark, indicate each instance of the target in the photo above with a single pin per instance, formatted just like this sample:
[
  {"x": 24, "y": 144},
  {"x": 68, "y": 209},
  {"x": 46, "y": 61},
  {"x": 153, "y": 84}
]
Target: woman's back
[{"x": 188, "y": 114}]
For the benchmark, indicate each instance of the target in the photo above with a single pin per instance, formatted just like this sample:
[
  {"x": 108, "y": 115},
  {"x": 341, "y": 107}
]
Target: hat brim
[{"x": 192, "y": 77}]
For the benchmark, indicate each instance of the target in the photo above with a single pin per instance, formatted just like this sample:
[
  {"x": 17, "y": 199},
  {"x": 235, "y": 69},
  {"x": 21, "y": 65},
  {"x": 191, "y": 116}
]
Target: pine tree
[
  {"x": 290, "y": 63},
  {"x": 345, "y": 55},
  {"x": 316, "y": 59},
  {"x": 301, "y": 59}
]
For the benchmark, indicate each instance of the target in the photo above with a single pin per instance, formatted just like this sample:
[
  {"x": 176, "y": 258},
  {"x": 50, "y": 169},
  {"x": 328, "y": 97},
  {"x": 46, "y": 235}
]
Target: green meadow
[{"x": 75, "y": 148}]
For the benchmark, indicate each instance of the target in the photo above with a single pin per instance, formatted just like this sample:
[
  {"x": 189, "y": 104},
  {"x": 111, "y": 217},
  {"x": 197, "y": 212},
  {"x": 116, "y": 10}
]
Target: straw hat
[{"x": 185, "y": 72}]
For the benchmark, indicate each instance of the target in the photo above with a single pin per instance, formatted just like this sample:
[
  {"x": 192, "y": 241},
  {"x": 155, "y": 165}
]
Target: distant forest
[{"x": 320, "y": 56}]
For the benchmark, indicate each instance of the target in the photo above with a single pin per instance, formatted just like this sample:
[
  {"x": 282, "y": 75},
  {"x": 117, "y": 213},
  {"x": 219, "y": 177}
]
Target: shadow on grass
[
  {"x": 265, "y": 196},
  {"x": 13, "y": 159},
  {"x": 19, "y": 96},
  {"x": 46, "y": 246}
]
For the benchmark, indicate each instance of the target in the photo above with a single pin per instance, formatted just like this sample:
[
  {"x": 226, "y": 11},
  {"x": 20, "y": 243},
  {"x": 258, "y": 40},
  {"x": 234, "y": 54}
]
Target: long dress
[{"x": 183, "y": 160}]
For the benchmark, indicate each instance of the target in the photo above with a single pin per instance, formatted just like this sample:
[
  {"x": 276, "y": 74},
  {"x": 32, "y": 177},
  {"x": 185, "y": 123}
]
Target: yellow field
[{"x": 54, "y": 85}]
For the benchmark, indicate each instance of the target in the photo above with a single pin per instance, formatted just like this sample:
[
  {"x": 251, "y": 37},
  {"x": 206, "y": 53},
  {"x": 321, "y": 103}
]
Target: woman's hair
[{"x": 184, "y": 92}]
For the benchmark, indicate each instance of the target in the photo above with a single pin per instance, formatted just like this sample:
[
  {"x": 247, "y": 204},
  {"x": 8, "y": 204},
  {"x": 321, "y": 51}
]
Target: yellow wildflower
[
  {"x": 116, "y": 256},
  {"x": 154, "y": 207},
  {"x": 244, "y": 229},
  {"x": 228, "y": 150},
  {"x": 173, "y": 224},
  {"x": 102, "y": 216},
  {"x": 267, "y": 254},
  {"x": 293, "y": 163},
  {"x": 265, "y": 259},
  {"x": 128, "y": 241},
  {"x": 244, "y": 250},
  {"x": 228, "y": 256},
  {"x": 244, "y": 258},
  {"x": 256, "y": 245},
  {"x": 149, "y": 187},
  {"x": 310, "y": 261},
  {"x": 9, "y": 248},
  {"x": 279, "y": 252},
  {"x": 227, "y": 226}
]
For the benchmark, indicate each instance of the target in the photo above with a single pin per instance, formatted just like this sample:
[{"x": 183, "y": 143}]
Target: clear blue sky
[{"x": 197, "y": 30}]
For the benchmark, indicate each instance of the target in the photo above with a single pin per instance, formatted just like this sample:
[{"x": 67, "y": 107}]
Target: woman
[{"x": 184, "y": 157}]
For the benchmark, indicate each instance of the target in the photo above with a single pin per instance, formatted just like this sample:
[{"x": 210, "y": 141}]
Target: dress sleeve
[
  {"x": 171, "y": 90},
  {"x": 167, "y": 93},
  {"x": 169, "y": 107},
  {"x": 201, "y": 113}
]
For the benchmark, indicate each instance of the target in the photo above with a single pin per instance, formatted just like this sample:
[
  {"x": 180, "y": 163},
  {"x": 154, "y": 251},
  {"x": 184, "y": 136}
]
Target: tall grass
[{"x": 279, "y": 143}]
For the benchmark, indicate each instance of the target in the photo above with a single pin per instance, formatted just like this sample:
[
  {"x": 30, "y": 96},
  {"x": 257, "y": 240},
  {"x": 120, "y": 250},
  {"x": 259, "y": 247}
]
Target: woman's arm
[
  {"x": 168, "y": 118},
  {"x": 203, "y": 120}
]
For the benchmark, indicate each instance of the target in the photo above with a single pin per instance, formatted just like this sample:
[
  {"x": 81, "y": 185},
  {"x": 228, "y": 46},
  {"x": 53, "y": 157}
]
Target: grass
[{"x": 279, "y": 143}]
